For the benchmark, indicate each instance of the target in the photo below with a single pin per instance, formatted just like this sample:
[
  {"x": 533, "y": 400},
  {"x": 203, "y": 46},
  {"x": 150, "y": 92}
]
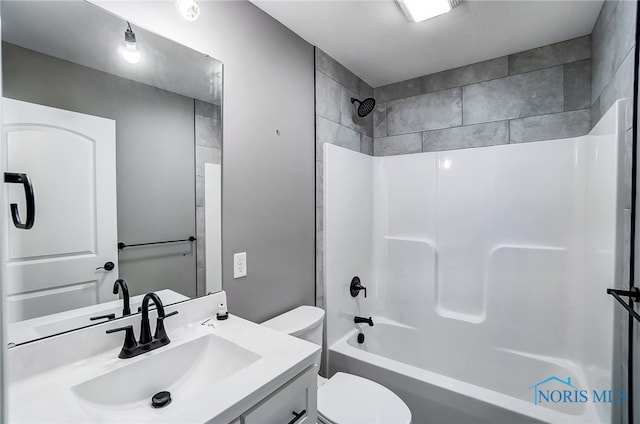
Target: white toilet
[{"x": 344, "y": 398}]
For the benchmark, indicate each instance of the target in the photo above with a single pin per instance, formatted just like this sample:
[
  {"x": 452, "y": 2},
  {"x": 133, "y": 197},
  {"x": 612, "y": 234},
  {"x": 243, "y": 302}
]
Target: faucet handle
[
  {"x": 170, "y": 314},
  {"x": 107, "y": 316},
  {"x": 356, "y": 286},
  {"x": 129, "y": 340},
  {"x": 161, "y": 333}
]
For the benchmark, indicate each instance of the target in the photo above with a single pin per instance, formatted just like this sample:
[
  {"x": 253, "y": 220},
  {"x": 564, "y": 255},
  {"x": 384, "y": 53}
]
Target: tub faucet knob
[{"x": 356, "y": 287}]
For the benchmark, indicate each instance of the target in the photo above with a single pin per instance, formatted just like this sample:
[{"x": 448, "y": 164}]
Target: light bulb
[
  {"x": 130, "y": 52},
  {"x": 189, "y": 9}
]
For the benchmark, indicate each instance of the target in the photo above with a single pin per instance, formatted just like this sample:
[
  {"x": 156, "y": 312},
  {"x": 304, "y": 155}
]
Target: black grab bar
[{"x": 122, "y": 245}]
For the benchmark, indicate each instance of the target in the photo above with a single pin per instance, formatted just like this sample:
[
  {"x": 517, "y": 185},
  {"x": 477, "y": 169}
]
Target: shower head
[{"x": 365, "y": 106}]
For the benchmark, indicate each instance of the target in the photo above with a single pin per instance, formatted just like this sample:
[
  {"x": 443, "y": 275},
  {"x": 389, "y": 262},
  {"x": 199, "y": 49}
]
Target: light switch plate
[{"x": 240, "y": 265}]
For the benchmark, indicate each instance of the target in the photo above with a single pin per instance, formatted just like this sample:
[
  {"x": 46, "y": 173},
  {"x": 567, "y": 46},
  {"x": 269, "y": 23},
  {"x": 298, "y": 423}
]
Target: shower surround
[
  {"x": 486, "y": 272},
  {"x": 538, "y": 94}
]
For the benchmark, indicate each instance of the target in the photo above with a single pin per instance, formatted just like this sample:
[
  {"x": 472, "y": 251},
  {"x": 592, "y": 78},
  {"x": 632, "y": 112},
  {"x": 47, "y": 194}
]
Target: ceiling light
[
  {"x": 419, "y": 10},
  {"x": 130, "y": 52},
  {"x": 189, "y": 9}
]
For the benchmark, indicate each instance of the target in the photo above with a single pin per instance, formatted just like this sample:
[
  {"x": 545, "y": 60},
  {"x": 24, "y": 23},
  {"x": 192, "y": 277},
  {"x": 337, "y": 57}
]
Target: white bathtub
[
  {"x": 495, "y": 261},
  {"x": 441, "y": 383}
]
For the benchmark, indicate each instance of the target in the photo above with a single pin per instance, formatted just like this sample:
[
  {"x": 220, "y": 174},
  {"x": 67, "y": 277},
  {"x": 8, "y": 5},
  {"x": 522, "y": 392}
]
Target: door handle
[
  {"x": 108, "y": 266},
  {"x": 17, "y": 178}
]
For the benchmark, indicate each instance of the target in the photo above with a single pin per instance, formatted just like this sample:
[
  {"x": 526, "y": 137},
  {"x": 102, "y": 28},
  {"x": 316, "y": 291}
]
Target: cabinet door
[{"x": 294, "y": 403}]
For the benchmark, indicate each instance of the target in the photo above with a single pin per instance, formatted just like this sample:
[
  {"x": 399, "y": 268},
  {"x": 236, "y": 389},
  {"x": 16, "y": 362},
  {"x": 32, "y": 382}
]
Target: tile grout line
[
  {"x": 339, "y": 124},
  {"x": 488, "y": 122},
  {"x": 485, "y": 80},
  {"x": 499, "y": 57},
  {"x": 342, "y": 84}
]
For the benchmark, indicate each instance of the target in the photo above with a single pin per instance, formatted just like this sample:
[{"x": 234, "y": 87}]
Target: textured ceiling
[{"x": 374, "y": 39}]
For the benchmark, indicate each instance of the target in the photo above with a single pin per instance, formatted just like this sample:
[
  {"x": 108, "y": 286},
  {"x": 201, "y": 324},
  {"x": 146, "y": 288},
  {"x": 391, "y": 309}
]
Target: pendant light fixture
[{"x": 130, "y": 52}]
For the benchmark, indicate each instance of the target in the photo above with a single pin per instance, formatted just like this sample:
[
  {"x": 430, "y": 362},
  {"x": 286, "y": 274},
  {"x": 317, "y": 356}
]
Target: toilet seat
[{"x": 349, "y": 399}]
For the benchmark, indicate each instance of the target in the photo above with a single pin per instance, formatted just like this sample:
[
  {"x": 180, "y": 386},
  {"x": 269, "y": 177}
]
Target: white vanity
[{"x": 230, "y": 371}]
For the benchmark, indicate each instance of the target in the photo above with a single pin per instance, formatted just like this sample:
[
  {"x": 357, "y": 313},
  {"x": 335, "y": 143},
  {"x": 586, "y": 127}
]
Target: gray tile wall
[
  {"x": 336, "y": 123},
  {"x": 208, "y": 134},
  {"x": 613, "y": 41},
  {"x": 539, "y": 94},
  {"x": 613, "y": 49}
]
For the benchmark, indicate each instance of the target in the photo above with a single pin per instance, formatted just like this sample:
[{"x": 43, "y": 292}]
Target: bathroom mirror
[{"x": 119, "y": 131}]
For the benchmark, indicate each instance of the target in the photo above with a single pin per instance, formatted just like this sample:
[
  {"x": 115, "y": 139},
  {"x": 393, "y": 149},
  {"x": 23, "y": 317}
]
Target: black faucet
[
  {"x": 145, "y": 327},
  {"x": 131, "y": 348},
  {"x": 360, "y": 320},
  {"x": 355, "y": 287},
  {"x": 126, "y": 310},
  {"x": 120, "y": 283}
]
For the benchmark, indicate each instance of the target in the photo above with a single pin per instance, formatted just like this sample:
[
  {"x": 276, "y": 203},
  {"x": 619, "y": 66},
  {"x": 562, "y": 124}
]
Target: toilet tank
[{"x": 304, "y": 322}]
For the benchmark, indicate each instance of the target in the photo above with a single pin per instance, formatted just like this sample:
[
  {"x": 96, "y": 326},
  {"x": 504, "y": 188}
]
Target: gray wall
[
  {"x": 336, "y": 123},
  {"x": 613, "y": 46},
  {"x": 539, "y": 94},
  {"x": 268, "y": 180},
  {"x": 613, "y": 41},
  {"x": 154, "y": 154}
]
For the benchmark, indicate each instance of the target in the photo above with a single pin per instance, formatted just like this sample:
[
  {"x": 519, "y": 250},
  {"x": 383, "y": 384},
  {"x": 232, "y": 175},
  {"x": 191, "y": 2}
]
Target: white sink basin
[
  {"x": 183, "y": 370},
  {"x": 215, "y": 371}
]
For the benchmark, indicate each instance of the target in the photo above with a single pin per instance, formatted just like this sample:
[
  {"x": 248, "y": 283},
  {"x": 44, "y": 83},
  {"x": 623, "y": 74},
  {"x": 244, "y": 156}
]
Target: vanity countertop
[{"x": 243, "y": 361}]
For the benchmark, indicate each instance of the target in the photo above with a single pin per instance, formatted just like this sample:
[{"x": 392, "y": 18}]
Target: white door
[{"x": 71, "y": 160}]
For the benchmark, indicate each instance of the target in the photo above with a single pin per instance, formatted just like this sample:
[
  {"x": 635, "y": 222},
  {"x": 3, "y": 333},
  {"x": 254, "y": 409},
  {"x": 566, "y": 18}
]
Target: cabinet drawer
[{"x": 288, "y": 402}]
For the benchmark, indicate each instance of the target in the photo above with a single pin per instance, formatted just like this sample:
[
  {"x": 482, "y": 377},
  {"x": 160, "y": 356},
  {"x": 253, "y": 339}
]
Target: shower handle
[{"x": 356, "y": 286}]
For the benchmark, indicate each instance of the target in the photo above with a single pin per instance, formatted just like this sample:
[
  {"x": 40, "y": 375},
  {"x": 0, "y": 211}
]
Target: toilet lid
[
  {"x": 350, "y": 399},
  {"x": 297, "y": 321}
]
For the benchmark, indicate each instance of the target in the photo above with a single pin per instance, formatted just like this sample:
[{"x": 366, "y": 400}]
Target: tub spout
[{"x": 361, "y": 320}]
